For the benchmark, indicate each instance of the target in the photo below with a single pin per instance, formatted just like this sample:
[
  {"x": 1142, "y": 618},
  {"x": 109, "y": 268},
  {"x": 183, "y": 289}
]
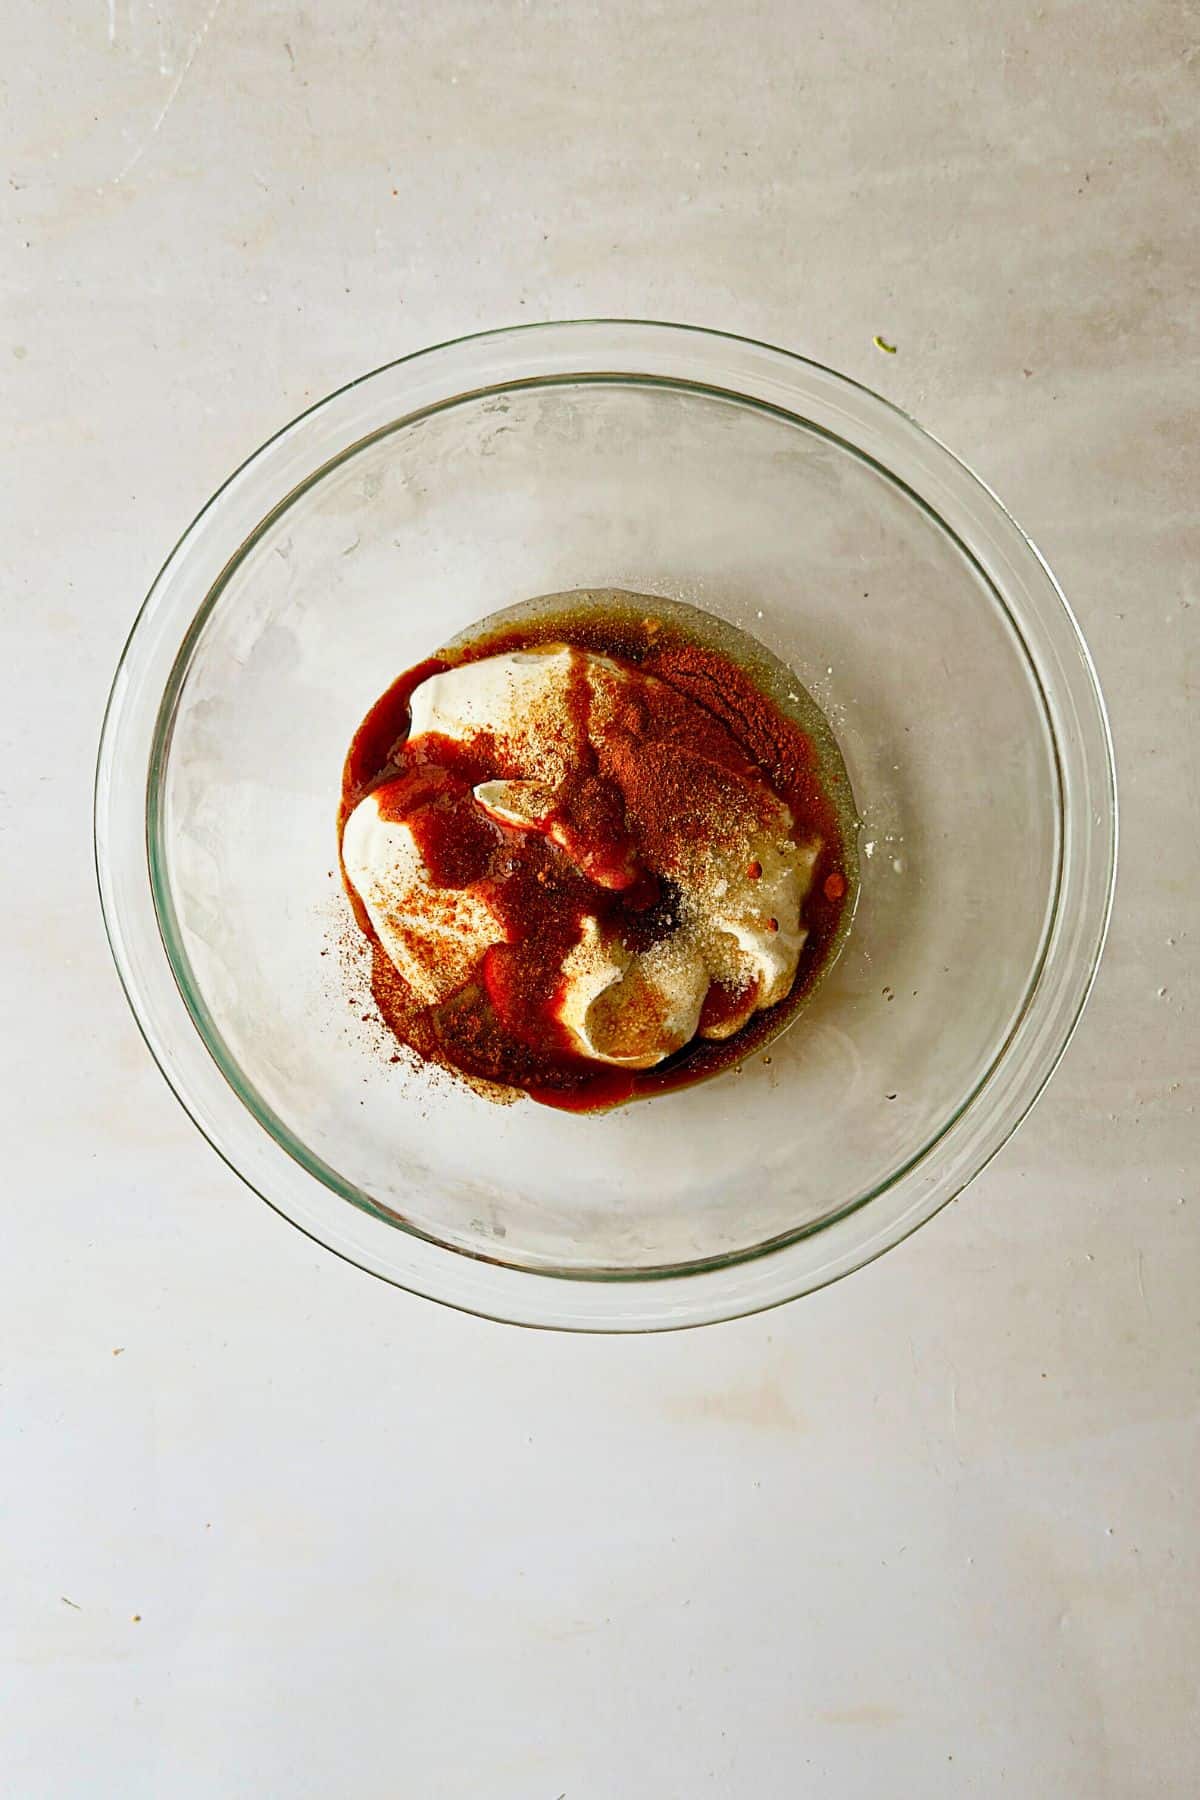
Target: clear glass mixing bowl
[{"x": 768, "y": 490}]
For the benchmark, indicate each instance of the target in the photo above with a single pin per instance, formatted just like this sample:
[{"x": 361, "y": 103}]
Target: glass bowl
[{"x": 794, "y": 504}]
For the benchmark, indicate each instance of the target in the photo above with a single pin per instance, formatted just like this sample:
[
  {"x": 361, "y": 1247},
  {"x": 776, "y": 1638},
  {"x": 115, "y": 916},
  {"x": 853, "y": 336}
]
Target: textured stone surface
[{"x": 929, "y": 1533}]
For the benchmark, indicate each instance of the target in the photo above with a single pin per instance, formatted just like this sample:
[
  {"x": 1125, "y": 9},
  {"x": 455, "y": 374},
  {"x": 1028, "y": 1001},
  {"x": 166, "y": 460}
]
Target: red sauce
[
  {"x": 723, "y": 1003},
  {"x": 678, "y": 758}
]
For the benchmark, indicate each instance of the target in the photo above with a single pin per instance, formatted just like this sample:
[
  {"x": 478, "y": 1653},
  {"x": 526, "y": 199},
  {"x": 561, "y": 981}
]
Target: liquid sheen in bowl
[{"x": 774, "y": 495}]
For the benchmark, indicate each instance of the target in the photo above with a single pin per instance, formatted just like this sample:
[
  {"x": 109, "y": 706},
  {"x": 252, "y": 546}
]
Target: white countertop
[{"x": 273, "y": 1528}]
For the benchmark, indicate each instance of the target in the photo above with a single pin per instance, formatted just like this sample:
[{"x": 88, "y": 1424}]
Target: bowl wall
[
  {"x": 754, "y": 516},
  {"x": 691, "y": 465}
]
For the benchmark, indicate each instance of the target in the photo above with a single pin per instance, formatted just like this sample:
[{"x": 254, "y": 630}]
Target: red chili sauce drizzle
[{"x": 625, "y": 804}]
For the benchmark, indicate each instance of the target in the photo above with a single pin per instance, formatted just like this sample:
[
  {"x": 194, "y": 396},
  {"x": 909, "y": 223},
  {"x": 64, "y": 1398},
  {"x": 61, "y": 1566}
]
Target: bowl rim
[{"x": 549, "y": 353}]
